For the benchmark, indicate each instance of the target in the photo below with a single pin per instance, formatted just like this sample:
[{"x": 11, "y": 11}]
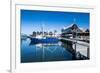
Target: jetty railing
[{"x": 79, "y": 46}]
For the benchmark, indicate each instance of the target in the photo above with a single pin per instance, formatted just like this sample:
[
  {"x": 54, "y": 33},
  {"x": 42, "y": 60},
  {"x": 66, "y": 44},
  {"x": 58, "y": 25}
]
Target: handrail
[{"x": 76, "y": 41}]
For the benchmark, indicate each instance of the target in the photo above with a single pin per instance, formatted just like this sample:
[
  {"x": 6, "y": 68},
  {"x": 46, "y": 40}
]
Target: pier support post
[
  {"x": 88, "y": 53},
  {"x": 74, "y": 48}
]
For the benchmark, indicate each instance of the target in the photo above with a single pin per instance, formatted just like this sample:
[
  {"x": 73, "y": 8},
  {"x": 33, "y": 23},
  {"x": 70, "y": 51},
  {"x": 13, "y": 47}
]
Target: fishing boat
[
  {"x": 42, "y": 39},
  {"x": 45, "y": 40}
]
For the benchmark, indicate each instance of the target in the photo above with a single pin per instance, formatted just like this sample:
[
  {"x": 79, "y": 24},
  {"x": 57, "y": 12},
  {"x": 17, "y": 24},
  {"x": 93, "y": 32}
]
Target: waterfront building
[{"x": 73, "y": 31}]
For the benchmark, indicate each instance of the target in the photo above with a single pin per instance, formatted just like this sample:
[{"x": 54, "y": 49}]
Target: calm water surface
[{"x": 43, "y": 52}]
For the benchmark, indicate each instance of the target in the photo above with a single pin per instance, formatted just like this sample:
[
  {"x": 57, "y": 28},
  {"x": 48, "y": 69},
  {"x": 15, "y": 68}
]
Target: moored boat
[{"x": 45, "y": 40}]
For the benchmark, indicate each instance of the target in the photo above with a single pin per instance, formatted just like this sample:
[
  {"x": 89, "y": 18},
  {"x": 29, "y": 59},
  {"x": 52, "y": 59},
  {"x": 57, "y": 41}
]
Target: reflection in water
[
  {"x": 68, "y": 47},
  {"x": 40, "y": 52}
]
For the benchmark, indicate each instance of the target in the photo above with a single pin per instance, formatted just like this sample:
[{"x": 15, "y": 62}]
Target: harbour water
[{"x": 44, "y": 52}]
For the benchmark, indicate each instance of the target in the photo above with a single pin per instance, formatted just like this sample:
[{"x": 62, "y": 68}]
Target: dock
[{"x": 78, "y": 46}]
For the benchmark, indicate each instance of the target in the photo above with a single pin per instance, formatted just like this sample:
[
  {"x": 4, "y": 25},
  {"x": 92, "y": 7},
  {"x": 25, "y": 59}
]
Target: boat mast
[{"x": 42, "y": 30}]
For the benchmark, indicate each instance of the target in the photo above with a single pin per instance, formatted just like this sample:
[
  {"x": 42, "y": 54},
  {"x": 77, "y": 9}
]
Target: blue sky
[{"x": 32, "y": 20}]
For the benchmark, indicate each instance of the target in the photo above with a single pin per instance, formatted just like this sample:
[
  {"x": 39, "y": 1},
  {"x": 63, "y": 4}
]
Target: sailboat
[{"x": 42, "y": 39}]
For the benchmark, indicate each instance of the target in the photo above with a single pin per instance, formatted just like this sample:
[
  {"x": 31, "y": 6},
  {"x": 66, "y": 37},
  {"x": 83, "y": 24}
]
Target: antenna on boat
[{"x": 42, "y": 29}]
